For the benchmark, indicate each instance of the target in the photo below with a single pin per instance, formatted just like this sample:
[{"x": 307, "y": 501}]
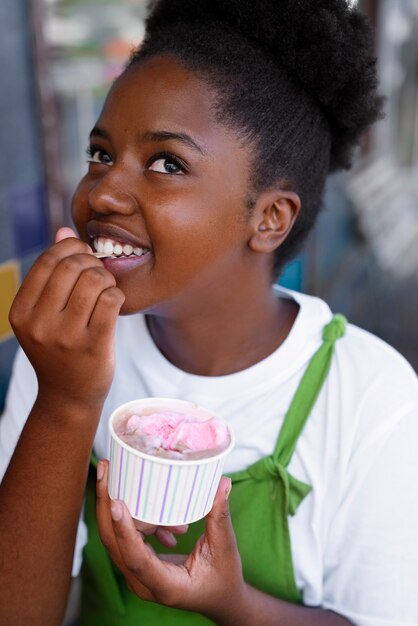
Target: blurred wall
[
  {"x": 363, "y": 255},
  {"x": 23, "y": 209}
]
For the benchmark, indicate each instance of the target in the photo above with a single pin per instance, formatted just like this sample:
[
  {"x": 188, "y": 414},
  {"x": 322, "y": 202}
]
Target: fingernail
[
  {"x": 228, "y": 490},
  {"x": 116, "y": 511},
  {"x": 100, "y": 470}
]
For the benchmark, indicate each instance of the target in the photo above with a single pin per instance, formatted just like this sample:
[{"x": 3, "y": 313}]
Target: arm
[
  {"x": 64, "y": 317},
  {"x": 208, "y": 581},
  {"x": 260, "y": 608},
  {"x": 40, "y": 503}
]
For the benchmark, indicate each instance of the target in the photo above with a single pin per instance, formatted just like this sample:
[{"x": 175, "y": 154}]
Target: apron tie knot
[
  {"x": 335, "y": 329},
  {"x": 270, "y": 468}
]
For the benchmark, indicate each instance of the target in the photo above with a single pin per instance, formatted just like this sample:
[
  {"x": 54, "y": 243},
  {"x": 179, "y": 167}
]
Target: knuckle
[
  {"x": 224, "y": 515},
  {"x": 71, "y": 263},
  {"x": 132, "y": 566},
  {"x": 111, "y": 296},
  {"x": 49, "y": 258},
  {"x": 35, "y": 331},
  {"x": 14, "y": 317},
  {"x": 65, "y": 341},
  {"x": 97, "y": 276},
  {"x": 37, "y": 335}
]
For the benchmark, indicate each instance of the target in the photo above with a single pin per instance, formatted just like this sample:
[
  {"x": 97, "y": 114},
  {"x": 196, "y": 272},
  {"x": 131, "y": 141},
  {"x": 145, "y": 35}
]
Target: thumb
[
  {"x": 219, "y": 531},
  {"x": 64, "y": 233}
]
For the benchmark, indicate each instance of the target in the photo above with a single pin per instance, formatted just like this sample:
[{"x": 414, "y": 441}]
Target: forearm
[
  {"x": 255, "y": 608},
  {"x": 40, "y": 502}
]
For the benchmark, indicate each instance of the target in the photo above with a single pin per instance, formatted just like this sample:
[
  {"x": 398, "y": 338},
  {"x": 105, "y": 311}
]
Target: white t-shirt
[{"x": 355, "y": 536}]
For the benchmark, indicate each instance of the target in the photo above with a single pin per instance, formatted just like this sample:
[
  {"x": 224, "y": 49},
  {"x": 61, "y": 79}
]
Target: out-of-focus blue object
[
  {"x": 292, "y": 275},
  {"x": 24, "y": 228},
  {"x": 28, "y": 210}
]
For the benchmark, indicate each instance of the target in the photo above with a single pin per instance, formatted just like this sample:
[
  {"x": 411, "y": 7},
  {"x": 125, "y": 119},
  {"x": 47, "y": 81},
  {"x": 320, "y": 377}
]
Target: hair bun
[{"x": 324, "y": 45}]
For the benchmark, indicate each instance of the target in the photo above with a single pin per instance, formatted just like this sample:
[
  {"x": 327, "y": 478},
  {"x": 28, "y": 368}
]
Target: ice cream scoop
[{"x": 167, "y": 431}]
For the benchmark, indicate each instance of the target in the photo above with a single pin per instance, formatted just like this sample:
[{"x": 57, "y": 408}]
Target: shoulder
[
  {"x": 370, "y": 362},
  {"x": 375, "y": 391},
  {"x": 370, "y": 387},
  {"x": 360, "y": 356}
]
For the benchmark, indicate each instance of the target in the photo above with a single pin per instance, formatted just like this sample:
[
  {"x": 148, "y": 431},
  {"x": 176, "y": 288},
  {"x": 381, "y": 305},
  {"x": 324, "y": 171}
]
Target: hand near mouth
[
  {"x": 64, "y": 316},
  {"x": 64, "y": 233}
]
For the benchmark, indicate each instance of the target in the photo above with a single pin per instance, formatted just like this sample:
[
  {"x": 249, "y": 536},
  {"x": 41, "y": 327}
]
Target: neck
[{"x": 229, "y": 338}]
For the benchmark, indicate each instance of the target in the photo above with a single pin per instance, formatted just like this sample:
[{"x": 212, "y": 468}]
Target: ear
[{"x": 273, "y": 218}]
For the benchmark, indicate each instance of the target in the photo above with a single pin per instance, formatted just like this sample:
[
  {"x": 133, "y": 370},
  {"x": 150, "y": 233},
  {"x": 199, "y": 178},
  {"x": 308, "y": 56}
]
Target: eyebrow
[
  {"x": 156, "y": 136},
  {"x": 166, "y": 135},
  {"x": 99, "y": 132}
]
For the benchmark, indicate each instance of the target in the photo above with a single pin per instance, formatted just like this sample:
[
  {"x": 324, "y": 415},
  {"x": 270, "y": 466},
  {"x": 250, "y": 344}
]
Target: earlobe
[{"x": 274, "y": 216}]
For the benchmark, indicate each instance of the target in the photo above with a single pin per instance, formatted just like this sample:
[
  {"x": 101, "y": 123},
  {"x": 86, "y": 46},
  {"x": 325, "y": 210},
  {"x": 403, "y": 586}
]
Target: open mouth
[{"x": 112, "y": 248}]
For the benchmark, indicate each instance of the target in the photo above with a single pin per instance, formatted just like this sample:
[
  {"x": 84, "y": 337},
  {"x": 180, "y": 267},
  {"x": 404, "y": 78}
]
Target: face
[{"x": 165, "y": 191}]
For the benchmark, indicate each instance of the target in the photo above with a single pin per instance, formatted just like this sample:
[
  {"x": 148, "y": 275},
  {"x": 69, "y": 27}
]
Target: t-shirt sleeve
[
  {"x": 371, "y": 558},
  {"x": 20, "y": 398}
]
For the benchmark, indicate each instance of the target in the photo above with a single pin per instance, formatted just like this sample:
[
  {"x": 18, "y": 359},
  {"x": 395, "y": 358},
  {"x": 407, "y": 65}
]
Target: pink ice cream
[{"x": 165, "y": 432}]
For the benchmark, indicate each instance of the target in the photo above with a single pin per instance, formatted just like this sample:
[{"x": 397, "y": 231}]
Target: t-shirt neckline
[{"x": 288, "y": 356}]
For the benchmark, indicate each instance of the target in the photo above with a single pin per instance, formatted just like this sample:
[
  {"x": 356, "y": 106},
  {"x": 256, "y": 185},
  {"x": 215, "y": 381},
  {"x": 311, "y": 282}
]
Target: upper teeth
[{"x": 113, "y": 248}]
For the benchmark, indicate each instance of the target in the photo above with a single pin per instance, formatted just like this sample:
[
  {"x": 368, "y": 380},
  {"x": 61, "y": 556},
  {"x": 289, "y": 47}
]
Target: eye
[
  {"x": 97, "y": 155},
  {"x": 166, "y": 164}
]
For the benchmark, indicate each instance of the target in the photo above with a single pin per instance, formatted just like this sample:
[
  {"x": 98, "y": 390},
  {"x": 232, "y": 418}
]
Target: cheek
[
  {"x": 202, "y": 219},
  {"x": 79, "y": 209},
  {"x": 199, "y": 251}
]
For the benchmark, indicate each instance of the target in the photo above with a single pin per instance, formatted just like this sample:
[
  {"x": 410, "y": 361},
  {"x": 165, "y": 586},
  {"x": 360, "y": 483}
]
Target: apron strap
[{"x": 308, "y": 391}]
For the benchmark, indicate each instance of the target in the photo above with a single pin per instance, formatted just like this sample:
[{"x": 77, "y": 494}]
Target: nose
[{"x": 108, "y": 196}]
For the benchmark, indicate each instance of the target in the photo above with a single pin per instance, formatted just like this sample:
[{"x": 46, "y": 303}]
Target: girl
[{"x": 206, "y": 169}]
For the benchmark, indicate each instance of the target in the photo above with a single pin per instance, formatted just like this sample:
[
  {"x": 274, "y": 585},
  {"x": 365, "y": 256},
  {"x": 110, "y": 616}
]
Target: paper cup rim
[{"x": 160, "y": 459}]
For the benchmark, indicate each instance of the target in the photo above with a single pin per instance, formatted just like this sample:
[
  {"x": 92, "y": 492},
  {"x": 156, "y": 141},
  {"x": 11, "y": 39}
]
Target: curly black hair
[{"x": 297, "y": 78}]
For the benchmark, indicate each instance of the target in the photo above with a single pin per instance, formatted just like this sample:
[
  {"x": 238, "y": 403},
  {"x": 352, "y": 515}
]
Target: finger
[
  {"x": 176, "y": 559},
  {"x": 104, "y": 519},
  {"x": 106, "y": 310},
  {"x": 106, "y": 532},
  {"x": 165, "y": 537},
  {"x": 144, "y": 528},
  {"x": 64, "y": 233},
  {"x": 90, "y": 286},
  {"x": 219, "y": 532},
  {"x": 178, "y": 530},
  {"x": 137, "y": 558},
  {"x": 151, "y": 529},
  {"x": 79, "y": 274},
  {"x": 41, "y": 271}
]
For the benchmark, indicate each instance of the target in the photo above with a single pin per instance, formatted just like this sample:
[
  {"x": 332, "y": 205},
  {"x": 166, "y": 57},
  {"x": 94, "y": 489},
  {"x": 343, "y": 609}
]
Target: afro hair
[{"x": 297, "y": 78}]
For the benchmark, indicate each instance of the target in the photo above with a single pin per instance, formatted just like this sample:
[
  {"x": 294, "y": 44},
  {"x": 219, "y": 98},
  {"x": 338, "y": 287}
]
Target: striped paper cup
[{"x": 158, "y": 490}]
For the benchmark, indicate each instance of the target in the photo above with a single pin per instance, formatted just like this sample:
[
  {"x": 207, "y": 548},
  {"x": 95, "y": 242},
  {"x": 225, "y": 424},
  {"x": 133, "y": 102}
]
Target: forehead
[{"x": 160, "y": 93}]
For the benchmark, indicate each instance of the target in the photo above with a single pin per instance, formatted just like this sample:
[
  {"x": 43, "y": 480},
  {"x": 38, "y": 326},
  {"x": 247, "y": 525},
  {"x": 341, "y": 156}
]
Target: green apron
[{"x": 262, "y": 498}]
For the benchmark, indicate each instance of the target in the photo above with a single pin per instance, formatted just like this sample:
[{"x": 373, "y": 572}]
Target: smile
[{"x": 116, "y": 249}]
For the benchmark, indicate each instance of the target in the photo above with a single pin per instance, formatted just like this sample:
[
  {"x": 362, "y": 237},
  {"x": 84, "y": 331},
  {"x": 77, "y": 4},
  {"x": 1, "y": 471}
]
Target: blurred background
[{"x": 59, "y": 58}]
